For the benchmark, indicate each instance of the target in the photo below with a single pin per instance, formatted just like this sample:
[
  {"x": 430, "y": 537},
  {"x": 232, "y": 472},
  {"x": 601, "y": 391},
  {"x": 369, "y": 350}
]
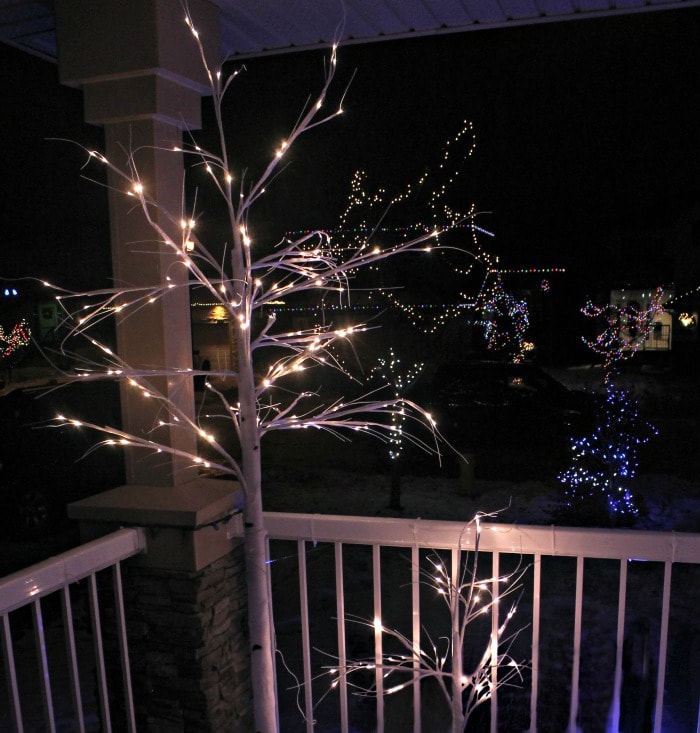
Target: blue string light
[{"x": 605, "y": 461}]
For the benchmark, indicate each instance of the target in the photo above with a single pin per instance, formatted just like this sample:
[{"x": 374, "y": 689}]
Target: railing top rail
[
  {"x": 50, "y": 575},
  {"x": 618, "y": 544}
]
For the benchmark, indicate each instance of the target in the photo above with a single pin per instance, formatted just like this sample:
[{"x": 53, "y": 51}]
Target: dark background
[{"x": 583, "y": 129}]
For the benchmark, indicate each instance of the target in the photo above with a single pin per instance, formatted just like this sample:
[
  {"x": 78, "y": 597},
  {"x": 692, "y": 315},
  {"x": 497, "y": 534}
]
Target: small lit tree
[
  {"x": 12, "y": 344},
  {"x": 605, "y": 461},
  {"x": 245, "y": 281},
  {"x": 467, "y": 597},
  {"x": 397, "y": 379},
  {"x": 505, "y": 320}
]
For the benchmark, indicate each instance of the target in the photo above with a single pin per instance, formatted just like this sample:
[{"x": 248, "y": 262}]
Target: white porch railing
[
  {"x": 33, "y": 670},
  {"x": 605, "y": 609},
  {"x": 610, "y": 622}
]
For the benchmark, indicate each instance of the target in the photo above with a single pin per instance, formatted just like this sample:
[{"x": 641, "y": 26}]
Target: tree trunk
[
  {"x": 458, "y": 721},
  {"x": 262, "y": 649},
  {"x": 262, "y": 653},
  {"x": 395, "y": 491},
  {"x": 259, "y": 618}
]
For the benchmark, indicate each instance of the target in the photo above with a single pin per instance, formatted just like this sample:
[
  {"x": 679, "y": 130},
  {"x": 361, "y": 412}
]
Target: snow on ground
[
  {"x": 347, "y": 482},
  {"x": 335, "y": 479},
  {"x": 329, "y": 477},
  {"x": 671, "y": 503}
]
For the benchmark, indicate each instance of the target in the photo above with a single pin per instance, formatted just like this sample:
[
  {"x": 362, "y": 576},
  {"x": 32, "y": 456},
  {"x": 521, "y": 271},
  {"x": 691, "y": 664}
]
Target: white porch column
[{"x": 142, "y": 79}]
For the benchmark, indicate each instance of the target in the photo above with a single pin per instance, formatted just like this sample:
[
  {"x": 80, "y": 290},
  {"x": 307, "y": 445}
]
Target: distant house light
[
  {"x": 218, "y": 314},
  {"x": 687, "y": 320}
]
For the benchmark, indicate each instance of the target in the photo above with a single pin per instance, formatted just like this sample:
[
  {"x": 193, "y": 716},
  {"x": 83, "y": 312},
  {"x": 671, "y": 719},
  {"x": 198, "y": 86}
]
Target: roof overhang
[{"x": 263, "y": 27}]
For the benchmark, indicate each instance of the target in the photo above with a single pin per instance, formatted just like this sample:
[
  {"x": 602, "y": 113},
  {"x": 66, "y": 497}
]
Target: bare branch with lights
[{"x": 467, "y": 597}]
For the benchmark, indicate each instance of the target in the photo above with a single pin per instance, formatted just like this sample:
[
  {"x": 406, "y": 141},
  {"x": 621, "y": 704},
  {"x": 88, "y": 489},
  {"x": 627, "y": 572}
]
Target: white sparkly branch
[
  {"x": 120, "y": 438},
  {"x": 364, "y": 415},
  {"x": 467, "y": 597},
  {"x": 311, "y": 117}
]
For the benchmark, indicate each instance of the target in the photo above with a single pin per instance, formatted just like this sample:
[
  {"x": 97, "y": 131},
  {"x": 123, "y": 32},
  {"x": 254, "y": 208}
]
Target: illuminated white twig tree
[
  {"x": 245, "y": 281},
  {"x": 468, "y": 598}
]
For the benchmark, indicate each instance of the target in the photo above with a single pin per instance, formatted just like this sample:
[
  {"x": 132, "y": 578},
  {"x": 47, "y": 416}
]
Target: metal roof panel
[{"x": 257, "y": 27}]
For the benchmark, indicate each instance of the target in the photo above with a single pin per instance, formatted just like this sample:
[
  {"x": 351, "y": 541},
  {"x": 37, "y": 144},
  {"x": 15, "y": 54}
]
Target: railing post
[
  {"x": 340, "y": 613},
  {"x": 378, "y": 648},
  {"x": 663, "y": 648},
  {"x": 415, "y": 631}
]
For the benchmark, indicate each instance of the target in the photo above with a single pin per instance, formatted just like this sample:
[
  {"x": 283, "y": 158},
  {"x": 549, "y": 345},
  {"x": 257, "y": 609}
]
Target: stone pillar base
[
  {"x": 188, "y": 647},
  {"x": 185, "y": 602}
]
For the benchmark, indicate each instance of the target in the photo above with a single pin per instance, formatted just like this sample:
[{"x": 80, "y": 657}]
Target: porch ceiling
[{"x": 258, "y": 27}]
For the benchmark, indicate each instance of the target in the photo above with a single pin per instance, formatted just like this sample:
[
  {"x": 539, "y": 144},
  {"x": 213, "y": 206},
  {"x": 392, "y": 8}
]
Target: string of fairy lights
[
  {"x": 398, "y": 378},
  {"x": 429, "y": 317},
  {"x": 375, "y": 207},
  {"x": 411, "y": 230},
  {"x": 441, "y": 217},
  {"x": 505, "y": 320},
  {"x": 626, "y": 328}
]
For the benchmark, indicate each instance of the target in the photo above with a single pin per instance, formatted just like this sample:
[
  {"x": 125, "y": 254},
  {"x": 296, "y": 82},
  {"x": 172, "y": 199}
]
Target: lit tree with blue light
[{"x": 605, "y": 461}]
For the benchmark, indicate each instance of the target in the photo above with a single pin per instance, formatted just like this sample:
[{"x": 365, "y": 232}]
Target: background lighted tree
[
  {"x": 426, "y": 299},
  {"x": 246, "y": 277},
  {"x": 605, "y": 461},
  {"x": 625, "y": 329},
  {"x": 12, "y": 345},
  {"x": 397, "y": 378},
  {"x": 505, "y": 321}
]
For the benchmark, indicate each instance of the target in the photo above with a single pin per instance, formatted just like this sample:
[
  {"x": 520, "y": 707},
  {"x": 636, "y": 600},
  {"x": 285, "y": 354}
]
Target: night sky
[
  {"x": 582, "y": 128},
  {"x": 53, "y": 223}
]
